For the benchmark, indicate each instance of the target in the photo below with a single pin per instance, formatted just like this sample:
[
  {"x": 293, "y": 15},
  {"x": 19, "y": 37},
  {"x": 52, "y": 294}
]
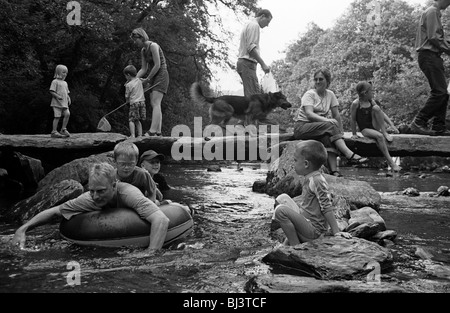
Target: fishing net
[{"x": 104, "y": 125}]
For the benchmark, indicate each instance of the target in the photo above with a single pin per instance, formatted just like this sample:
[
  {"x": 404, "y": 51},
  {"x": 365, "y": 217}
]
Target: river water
[{"x": 230, "y": 236}]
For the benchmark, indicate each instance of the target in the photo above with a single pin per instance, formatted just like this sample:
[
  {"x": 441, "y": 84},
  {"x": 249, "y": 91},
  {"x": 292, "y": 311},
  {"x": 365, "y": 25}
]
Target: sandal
[
  {"x": 336, "y": 173},
  {"x": 359, "y": 160}
]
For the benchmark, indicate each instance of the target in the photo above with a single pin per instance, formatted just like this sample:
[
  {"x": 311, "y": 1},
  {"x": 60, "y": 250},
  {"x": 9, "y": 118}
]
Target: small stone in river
[
  {"x": 411, "y": 192},
  {"x": 443, "y": 191},
  {"x": 214, "y": 168},
  {"x": 181, "y": 246},
  {"x": 387, "y": 243}
]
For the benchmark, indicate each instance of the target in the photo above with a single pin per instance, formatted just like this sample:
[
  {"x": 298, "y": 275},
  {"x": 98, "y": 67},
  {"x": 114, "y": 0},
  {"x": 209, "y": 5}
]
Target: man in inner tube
[{"x": 104, "y": 192}]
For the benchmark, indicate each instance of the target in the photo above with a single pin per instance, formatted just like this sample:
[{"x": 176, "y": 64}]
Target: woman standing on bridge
[
  {"x": 152, "y": 54},
  {"x": 319, "y": 119}
]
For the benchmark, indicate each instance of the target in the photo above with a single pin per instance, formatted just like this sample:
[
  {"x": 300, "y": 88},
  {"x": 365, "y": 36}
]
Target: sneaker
[
  {"x": 55, "y": 134},
  {"x": 65, "y": 133},
  {"x": 419, "y": 130}
]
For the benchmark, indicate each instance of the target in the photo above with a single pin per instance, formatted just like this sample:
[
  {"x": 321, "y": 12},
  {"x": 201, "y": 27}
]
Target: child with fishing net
[{"x": 134, "y": 95}]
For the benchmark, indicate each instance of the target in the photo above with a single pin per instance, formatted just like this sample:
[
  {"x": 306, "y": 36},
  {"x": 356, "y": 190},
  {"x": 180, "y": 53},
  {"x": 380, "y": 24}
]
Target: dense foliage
[
  {"x": 35, "y": 36},
  {"x": 354, "y": 50}
]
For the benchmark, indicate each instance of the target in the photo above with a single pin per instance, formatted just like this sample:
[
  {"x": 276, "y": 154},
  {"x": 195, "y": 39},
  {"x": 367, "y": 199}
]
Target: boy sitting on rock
[{"x": 316, "y": 213}]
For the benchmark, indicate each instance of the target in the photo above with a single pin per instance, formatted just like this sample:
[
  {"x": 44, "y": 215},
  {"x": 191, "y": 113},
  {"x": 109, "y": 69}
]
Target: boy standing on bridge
[{"x": 134, "y": 95}]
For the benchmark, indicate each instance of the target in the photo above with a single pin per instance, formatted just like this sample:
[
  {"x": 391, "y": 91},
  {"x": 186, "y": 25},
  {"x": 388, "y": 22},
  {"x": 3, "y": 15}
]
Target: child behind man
[
  {"x": 372, "y": 121},
  {"x": 126, "y": 156},
  {"x": 316, "y": 213},
  {"x": 134, "y": 95},
  {"x": 60, "y": 102}
]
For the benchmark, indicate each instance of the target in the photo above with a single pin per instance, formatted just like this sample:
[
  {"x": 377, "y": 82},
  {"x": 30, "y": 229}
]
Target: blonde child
[
  {"x": 316, "y": 213},
  {"x": 60, "y": 102},
  {"x": 126, "y": 156},
  {"x": 134, "y": 95},
  {"x": 372, "y": 121}
]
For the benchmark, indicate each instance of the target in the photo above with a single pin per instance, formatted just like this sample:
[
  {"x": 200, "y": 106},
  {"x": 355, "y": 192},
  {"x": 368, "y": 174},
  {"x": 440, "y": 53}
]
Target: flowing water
[{"x": 230, "y": 236}]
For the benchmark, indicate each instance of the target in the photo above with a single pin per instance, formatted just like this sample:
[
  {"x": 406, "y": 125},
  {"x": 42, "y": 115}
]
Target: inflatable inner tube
[{"x": 124, "y": 227}]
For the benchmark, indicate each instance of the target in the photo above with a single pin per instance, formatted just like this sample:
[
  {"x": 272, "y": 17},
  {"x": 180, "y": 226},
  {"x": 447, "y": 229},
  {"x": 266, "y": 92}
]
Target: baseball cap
[{"x": 149, "y": 155}]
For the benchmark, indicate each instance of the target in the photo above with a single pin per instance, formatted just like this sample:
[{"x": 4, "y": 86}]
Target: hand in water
[{"x": 19, "y": 239}]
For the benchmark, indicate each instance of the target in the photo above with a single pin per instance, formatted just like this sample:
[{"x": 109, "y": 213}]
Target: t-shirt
[
  {"x": 134, "y": 91},
  {"x": 316, "y": 200},
  {"x": 141, "y": 179},
  {"x": 321, "y": 106},
  {"x": 62, "y": 89},
  {"x": 249, "y": 40},
  {"x": 127, "y": 196}
]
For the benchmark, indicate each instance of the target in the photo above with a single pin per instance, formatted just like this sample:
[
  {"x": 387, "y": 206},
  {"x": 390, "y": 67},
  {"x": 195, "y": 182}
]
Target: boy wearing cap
[
  {"x": 151, "y": 161},
  {"x": 126, "y": 155}
]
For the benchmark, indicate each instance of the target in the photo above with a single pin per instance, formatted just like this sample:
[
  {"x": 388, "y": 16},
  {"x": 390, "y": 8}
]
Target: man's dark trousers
[{"x": 432, "y": 66}]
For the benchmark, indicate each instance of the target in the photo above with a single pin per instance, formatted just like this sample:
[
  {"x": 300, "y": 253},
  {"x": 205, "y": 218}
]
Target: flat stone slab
[
  {"x": 297, "y": 284},
  {"x": 331, "y": 258}
]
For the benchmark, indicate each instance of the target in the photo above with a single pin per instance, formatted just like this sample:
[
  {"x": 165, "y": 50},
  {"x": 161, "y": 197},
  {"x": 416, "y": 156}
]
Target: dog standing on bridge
[{"x": 252, "y": 110}]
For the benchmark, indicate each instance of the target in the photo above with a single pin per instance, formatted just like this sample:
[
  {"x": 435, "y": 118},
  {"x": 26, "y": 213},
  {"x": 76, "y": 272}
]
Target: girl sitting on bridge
[{"x": 372, "y": 121}]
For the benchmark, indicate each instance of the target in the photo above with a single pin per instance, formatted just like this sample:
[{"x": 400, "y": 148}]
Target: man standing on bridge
[{"x": 430, "y": 44}]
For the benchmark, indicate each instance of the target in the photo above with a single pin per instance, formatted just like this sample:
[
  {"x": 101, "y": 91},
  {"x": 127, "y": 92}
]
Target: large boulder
[
  {"x": 330, "y": 258},
  {"x": 283, "y": 179},
  {"x": 77, "y": 170},
  {"x": 21, "y": 170},
  {"x": 297, "y": 284},
  {"x": 44, "y": 199}
]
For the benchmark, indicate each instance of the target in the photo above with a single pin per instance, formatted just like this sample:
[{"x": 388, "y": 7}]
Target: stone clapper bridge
[{"x": 56, "y": 152}]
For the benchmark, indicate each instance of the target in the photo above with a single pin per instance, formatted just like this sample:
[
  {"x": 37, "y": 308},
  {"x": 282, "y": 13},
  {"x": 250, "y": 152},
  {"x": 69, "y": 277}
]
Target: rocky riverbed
[{"x": 231, "y": 237}]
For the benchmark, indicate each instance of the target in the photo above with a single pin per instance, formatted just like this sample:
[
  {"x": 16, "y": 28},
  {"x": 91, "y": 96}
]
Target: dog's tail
[{"x": 197, "y": 95}]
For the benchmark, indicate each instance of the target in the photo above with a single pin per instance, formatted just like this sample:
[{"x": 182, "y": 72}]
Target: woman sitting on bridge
[
  {"x": 314, "y": 121},
  {"x": 372, "y": 121}
]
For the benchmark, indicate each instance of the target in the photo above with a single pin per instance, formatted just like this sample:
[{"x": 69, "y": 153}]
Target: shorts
[
  {"x": 137, "y": 112},
  {"x": 58, "y": 111},
  {"x": 162, "y": 79}
]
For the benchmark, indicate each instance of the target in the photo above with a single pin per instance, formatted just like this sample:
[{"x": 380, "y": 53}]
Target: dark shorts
[
  {"x": 138, "y": 112},
  {"x": 162, "y": 79}
]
